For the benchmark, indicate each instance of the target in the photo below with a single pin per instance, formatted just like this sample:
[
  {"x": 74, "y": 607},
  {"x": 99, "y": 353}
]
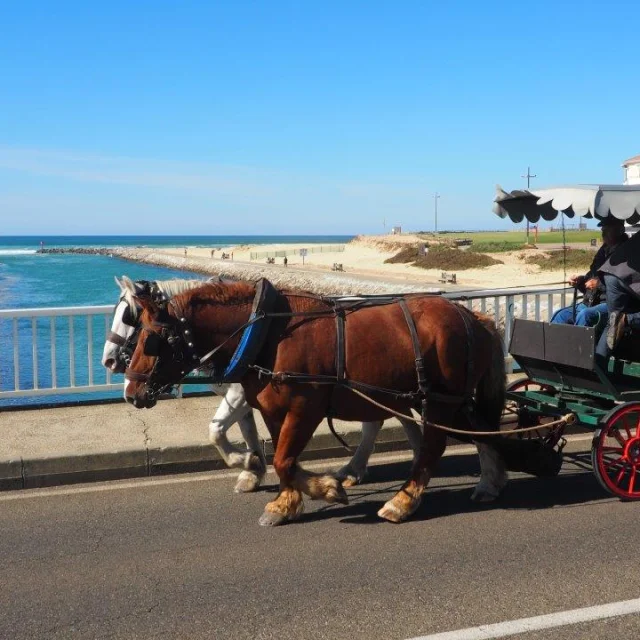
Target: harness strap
[
  {"x": 340, "y": 348},
  {"x": 419, "y": 360},
  {"x": 469, "y": 389}
]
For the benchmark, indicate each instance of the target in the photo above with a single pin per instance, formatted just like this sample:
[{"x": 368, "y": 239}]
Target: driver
[
  {"x": 621, "y": 274},
  {"x": 593, "y": 305}
]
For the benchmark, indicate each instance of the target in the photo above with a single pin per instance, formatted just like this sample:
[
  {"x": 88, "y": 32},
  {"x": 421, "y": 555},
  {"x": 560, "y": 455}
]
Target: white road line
[{"x": 549, "y": 621}]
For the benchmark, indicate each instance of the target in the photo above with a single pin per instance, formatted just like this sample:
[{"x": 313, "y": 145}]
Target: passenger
[
  {"x": 593, "y": 305},
  {"x": 621, "y": 275}
]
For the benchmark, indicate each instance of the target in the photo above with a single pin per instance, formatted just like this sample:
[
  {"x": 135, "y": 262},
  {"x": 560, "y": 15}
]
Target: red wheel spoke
[
  {"x": 632, "y": 479},
  {"x": 614, "y": 463},
  {"x": 618, "y": 436},
  {"x": 621, "y": 475}
]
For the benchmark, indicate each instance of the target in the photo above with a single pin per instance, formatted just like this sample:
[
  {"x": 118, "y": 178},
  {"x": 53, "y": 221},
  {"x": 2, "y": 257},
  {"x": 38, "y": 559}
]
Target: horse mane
[
  {"x": 168, "y": 288},
  {"x": 221, "y": 293}
]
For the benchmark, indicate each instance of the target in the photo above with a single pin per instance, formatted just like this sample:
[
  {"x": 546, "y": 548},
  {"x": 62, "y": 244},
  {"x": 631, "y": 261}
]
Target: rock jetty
[{"x": 286, "y": 278}]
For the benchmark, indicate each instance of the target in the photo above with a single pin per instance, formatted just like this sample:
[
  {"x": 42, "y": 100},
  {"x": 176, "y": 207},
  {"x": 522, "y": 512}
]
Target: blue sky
[{"x": 300, "y": 117}]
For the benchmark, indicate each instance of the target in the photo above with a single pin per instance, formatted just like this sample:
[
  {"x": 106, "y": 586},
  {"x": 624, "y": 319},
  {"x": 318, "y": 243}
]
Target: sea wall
[{"x": 324, "y": 283}]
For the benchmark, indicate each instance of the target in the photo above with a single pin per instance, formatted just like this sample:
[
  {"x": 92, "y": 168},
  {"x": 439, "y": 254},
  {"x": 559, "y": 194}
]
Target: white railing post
[
  {"x": 90, "y": 348},
  {"x": 16, "y": 356},
  {"x": 54, "y": 378},
  {"x": 72, "y": 355},
  {"x": 34, "y": 351},
  {"x": 508, "y": 320}
]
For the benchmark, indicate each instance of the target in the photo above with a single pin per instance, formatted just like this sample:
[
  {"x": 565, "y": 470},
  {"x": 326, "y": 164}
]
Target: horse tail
[{"x": 490, "y": 392}]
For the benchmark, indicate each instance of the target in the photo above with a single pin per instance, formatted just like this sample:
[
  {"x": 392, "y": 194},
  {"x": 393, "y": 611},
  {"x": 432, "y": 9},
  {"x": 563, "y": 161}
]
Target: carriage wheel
[
  {"x": 615, "y": 451},
  {"x": 524, "y": 418}
]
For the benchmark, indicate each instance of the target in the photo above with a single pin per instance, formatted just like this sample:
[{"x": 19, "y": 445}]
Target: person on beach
[
  {"x": 185, "y": 252},
  {"x": 285, "y": 261},
  {"x": 212, "y": 252},
  {"x": 593, "y": 305}
]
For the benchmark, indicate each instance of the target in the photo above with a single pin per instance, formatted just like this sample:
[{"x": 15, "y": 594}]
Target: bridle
[{"x": 176, "y": 336}]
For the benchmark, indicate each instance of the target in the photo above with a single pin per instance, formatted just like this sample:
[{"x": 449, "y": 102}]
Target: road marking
[
  {"x": 549, "y": 621},
  {"x": 212, "y": 476}
]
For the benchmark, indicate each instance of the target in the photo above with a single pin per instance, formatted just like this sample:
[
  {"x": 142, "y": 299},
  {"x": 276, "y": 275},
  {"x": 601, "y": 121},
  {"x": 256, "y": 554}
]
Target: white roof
[{"x": 585, "y": 200}]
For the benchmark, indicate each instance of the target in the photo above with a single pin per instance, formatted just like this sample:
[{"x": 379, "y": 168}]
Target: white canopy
[{"x": 585, "y": 200}]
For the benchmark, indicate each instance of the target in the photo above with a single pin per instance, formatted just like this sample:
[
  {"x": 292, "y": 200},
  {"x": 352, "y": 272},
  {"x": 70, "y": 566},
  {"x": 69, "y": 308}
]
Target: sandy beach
[{"x": 365, "y": 257}]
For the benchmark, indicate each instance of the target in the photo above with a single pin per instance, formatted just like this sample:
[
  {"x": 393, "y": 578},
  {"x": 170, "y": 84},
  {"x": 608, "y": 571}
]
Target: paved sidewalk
[{"x": 41, "y": 447}]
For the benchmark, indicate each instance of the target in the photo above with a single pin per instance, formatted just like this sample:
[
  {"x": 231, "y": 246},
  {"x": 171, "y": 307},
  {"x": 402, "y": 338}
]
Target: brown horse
[{"x": 462, "y": 355}]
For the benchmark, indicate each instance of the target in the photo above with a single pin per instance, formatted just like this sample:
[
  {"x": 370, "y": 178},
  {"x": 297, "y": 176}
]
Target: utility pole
[
  {"x": 528, "y": 177},
  {"x": 435, "y": 201}
]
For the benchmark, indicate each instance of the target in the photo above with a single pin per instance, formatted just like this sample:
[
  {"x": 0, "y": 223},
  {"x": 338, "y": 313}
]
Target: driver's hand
[
  {"x": 592, "y": 283},
  {"x": 575, "y": 281}
]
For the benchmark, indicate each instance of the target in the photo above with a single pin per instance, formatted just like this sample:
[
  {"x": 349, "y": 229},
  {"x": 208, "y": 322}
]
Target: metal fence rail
[
  {"x": 57, "y": 351},
  {"x": 323, "y": 248}
]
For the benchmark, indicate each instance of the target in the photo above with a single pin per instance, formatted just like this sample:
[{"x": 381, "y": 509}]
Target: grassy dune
[{"x": 518, "y": 237}]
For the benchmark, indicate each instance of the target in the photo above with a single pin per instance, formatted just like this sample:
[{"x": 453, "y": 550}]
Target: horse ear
[{"x": 128, "y": 285}]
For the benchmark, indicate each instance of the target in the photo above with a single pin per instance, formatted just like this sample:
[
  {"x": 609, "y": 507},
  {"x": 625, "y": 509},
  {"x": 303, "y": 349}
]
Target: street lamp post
[
  {"x": 435, "y": 201},
  {"x": 528, "y": 177}
]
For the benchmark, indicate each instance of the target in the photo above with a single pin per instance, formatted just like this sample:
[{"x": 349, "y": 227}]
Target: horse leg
[
  {"x": 414, "y": 436},
  {"x": 493, "y": 474},
  {"x": 255, "y": 462},
  {"x": 408, "y": 499},
  {"x": 354, "y": 472},
  {"x": 234, "y": 408},
  {"x": 294, "y": 481}
]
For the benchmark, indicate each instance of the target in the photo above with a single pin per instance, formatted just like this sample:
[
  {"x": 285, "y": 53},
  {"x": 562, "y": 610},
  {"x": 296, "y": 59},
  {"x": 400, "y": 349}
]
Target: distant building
[
  {"x": 631, "y": 168},
  {"x": 396, "y": 230}
]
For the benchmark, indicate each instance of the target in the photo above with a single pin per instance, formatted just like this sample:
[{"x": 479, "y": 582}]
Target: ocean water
[{"x": 32, "y": 280}]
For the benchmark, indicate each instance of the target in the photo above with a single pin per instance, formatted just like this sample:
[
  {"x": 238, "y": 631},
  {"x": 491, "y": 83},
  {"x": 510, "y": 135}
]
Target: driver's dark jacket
[
  {"x": 624, "y": 263},
  {"x": 595, "y": 296}
]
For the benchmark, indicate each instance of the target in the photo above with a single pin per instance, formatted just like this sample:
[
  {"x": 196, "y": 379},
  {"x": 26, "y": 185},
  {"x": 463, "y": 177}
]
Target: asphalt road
[{"x": 184, "y": 557}]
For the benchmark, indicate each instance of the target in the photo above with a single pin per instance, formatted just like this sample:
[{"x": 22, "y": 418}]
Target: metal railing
[
  {"x": 54, "y": 351},
  {"x": 57, "y": 351}
]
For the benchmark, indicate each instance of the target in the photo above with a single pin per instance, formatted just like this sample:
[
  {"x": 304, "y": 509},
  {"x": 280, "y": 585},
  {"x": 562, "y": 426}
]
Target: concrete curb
[{"x": 29, "y": 473}]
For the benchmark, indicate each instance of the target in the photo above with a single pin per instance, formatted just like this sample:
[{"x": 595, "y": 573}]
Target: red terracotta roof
[{"x": 634, "y": 160}]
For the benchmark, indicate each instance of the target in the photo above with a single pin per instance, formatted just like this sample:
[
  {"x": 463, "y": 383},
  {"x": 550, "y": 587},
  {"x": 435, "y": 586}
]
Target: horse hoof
[
  {"x": 349, "y": 481},
  {"x": 247, "y": 482},
  {"x": 348, "y": 477},
  {"x": 336, "y": 494},
  {"x": 482, "y": 496},
  {"x": 270, "y": 519},
  {"x": 391, "y": 513}
]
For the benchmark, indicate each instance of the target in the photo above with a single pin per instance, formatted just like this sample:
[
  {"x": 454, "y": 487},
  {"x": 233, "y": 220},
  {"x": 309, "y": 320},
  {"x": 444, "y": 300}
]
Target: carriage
[{"x": 563, "y": 374}]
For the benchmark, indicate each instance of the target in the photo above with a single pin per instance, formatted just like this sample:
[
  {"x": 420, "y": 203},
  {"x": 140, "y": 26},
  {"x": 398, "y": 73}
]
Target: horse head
[
  {"x": 163, "y": 353},
  {"x": 120, "y": 341}
]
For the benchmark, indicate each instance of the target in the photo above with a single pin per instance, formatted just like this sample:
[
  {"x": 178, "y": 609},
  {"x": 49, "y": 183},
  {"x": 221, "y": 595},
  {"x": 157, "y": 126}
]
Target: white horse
[{"x": 234, "y": 407}]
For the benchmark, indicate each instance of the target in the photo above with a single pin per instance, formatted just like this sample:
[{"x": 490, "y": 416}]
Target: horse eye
[{"x": 152, "y": 345}]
